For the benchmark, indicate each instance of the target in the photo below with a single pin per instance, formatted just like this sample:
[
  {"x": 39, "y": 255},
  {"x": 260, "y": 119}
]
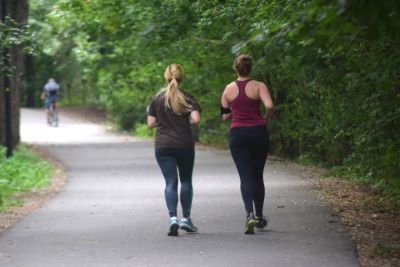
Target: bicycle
[{"x": 52, "y": 117}]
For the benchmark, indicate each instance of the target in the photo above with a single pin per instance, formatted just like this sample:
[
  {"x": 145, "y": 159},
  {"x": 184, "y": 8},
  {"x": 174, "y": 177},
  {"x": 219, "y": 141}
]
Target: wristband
[{"x": 225, "y": 110}]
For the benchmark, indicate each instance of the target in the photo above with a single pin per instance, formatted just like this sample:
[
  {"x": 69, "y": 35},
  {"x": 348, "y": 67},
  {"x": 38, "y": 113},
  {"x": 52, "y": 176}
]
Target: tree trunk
[
  {"x": 18, "y": 10},
  {"x": 29, "y": 76}
]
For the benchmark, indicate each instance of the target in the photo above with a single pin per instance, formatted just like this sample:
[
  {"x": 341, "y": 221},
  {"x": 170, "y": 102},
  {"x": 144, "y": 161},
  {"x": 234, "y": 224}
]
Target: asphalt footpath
[{"x": 112, "y": 210}]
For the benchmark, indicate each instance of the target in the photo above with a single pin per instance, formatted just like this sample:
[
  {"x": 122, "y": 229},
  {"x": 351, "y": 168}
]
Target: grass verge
[{"x": 20, "y": 173}]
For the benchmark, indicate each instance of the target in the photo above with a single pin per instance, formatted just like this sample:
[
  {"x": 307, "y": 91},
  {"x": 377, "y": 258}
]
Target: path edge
[{"x": 35, "y": 198}]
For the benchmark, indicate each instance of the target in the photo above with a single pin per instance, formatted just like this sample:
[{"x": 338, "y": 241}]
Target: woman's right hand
[{"x": 226, "y": 116}]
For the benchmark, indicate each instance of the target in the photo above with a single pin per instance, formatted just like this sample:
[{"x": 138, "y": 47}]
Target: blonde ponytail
[{"x": 174, "y": 98}]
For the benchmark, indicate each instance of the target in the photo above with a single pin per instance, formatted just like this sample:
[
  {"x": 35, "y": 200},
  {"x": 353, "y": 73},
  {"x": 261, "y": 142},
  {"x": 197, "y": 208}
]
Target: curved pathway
[{"x": 112, "y": 210}]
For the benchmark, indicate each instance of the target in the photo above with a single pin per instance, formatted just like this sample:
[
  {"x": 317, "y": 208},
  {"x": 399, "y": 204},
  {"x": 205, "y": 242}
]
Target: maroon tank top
[{"x": 245, "y": 111}]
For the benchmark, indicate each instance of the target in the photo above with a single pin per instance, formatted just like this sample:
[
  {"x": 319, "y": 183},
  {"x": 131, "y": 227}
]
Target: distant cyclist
[{"x": 50, "y": 94}]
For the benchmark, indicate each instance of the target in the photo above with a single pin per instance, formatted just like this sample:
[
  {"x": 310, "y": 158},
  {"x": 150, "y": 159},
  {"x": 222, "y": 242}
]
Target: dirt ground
[
  {"x": 374, "y": 224},
  {"x": 373, "y": 221}
]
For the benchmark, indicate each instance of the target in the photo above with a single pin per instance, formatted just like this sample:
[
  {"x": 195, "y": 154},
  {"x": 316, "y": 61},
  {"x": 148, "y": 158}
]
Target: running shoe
[
  {"x": 173, "y": 226},
  {"x": 187, "y": 225},
  {"x": 262, "y": 222},
  {"x": 250, "y": 224}
]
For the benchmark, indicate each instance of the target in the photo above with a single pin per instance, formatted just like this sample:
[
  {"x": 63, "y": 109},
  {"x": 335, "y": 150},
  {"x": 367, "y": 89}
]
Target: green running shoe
[{"x": 250, "y": 224}]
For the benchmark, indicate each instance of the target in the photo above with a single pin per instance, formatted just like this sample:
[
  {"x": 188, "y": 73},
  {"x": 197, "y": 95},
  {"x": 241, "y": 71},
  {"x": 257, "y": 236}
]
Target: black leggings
[
  {"x": 249, "y": 148},
  {"x": 172, "y": 160}
]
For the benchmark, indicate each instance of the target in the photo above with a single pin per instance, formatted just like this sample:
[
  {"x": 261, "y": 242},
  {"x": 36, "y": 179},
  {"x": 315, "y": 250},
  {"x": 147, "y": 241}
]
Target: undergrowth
[{"x": 20, "y": 173}]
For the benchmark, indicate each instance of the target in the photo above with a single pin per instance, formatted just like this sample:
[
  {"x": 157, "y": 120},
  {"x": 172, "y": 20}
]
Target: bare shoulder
[
  {"x": 231, "y": 86},
  {"x": 230, "y": 92},
  {"x": 258, "y": 84}
]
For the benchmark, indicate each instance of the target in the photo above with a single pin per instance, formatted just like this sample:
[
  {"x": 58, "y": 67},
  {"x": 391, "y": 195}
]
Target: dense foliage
[
  {"x": 331, "y": 66},
  {"x": 11, "y": 34},
  {"x": 22, "y": 172}
]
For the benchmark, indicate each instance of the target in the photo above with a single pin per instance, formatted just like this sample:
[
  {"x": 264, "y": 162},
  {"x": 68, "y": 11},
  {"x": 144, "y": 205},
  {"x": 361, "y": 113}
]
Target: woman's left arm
[
  {"x": 225, "y": 106},
  {"x": 266, "y": 99},
  {"x": 195, "y": 117}
]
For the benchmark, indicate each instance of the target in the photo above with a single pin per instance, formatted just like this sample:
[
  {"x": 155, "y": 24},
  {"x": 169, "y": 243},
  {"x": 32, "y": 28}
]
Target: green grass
[
  {"x": 387, "y": 250},
  {"x": 20, "y": 173},
  {"x": 142, "y": 130}
]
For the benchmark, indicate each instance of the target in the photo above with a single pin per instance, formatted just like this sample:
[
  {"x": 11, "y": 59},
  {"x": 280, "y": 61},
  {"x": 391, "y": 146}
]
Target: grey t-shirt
[
  {"x": 51, "y": 89},
  {"x": 173, "y": 130}
]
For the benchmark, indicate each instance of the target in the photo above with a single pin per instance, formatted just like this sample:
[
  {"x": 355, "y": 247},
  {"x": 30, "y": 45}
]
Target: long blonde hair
[{"x": 174, "y": 98}]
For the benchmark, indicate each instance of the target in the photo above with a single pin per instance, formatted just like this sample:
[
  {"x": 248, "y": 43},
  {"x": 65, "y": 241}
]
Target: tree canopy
[{"x": 331, "y": 67}]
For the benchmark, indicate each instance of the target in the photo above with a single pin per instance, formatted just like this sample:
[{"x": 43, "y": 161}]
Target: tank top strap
[{"x": 242, "y": 85}]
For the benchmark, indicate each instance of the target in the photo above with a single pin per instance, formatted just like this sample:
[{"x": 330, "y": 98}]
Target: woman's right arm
[{"x": 225, "y": 105}]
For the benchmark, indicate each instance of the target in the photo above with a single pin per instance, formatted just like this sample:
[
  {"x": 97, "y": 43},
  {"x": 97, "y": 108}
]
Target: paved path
[{"x": 112, "y": 211}]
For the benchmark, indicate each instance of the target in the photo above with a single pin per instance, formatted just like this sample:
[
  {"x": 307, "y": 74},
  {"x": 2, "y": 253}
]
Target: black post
[{"x": 7, "y": 88}]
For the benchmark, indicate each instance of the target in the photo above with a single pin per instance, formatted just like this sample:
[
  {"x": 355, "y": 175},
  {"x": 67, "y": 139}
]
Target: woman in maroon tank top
[{"x": 249, "y": 139}]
